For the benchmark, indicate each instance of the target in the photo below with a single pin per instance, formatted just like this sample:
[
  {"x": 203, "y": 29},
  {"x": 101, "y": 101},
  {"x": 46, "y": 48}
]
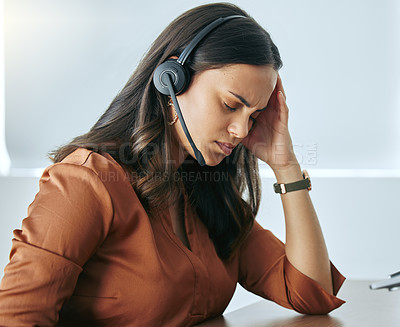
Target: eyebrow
[{"x": 244, "y": 101}]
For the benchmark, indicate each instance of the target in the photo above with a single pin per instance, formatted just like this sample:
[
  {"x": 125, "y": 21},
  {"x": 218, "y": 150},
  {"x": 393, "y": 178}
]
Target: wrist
[{"x": 288, "y": 174}]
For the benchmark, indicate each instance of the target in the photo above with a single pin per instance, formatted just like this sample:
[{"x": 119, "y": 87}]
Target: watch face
[{"x": 306, "y": 176}]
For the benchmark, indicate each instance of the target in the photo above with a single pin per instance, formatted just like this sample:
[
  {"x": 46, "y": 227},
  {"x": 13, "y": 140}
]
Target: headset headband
[{"x": 188, "y": 50}]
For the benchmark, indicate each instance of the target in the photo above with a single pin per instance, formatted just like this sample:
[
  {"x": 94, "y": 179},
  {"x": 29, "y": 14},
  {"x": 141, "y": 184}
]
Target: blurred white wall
[
  {"x": 65, "y": 60},
  {"x": 5, "y": 161}
]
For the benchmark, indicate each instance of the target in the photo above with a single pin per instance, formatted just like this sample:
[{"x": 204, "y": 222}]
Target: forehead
[{"x": 254, "y": 83}]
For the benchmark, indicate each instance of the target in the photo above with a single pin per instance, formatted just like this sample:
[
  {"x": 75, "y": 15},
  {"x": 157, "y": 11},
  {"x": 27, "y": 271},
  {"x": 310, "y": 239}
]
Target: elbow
[{"x": 316, "y": 306}]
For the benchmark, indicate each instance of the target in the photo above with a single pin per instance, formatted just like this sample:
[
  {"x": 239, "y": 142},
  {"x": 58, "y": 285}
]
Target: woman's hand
[{"x": 269, "y": 139}]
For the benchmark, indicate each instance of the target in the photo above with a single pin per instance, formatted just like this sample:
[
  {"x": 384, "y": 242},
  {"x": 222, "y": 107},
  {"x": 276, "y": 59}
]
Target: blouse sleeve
[
  {"x": 265, "y": 270},
  {"x": 67, "y": 221}
]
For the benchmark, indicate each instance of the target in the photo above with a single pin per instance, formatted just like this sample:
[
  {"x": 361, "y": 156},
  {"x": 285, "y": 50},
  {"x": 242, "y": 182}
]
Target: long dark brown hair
[{"x": 134, "y": 129}]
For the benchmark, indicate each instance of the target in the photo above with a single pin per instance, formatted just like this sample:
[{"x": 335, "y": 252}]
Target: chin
[
  {"x": 211, "y": 158},
  {"x": 213, "y": 164},
  {"x": 215, "y": 161}
]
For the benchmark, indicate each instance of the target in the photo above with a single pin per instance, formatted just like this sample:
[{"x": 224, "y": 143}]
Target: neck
[{"x": 178, "y": 154}]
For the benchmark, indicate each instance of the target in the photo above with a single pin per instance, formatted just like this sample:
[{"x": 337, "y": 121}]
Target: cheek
[{"x": 199, "y": 112}]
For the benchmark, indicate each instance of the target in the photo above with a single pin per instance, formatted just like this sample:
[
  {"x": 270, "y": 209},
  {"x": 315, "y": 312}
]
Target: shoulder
[
  {"x": 85, "y": 172},
  {"x": 100, "y": 171},
  {"x": 90, "y": 165},
  {"x": 77, "y": 180},
  {"x": 99, "y": 176},
  {"x": 98, "y": 163}
]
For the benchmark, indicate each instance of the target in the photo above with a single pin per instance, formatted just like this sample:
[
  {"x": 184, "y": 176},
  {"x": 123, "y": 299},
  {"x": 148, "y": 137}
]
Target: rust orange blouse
[{"x": 88, "y": 255}]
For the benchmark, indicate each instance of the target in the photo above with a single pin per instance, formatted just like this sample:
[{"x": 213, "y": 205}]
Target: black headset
[{"x": 172, "y": 77}]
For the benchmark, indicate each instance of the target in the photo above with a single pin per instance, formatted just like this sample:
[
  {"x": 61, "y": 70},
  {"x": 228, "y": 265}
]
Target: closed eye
[
  {"x": 257, "y": 112},
  {"x": 253, "y": 119},
  {"x": 229, "y": 108}
]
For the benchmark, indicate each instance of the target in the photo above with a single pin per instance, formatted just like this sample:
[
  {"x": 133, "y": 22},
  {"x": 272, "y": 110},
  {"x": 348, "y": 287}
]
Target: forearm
[{"x": 305, "y": 245}]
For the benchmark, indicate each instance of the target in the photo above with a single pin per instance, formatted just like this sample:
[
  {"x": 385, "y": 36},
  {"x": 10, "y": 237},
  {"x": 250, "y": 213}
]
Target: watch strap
[{"x": 305, "y": 183}]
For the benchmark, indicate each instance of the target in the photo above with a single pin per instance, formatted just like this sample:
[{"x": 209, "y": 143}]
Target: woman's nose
[{"x": 240, "y": 127}]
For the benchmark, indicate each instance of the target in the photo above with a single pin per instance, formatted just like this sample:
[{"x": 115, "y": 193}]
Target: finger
[
  {"x": 279, "y": 85},
  {"x": 284, "y": 110}
]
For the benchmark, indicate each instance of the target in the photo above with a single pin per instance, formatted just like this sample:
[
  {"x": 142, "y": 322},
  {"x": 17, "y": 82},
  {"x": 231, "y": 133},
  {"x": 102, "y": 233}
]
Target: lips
[{"x": 226, "y": 147}]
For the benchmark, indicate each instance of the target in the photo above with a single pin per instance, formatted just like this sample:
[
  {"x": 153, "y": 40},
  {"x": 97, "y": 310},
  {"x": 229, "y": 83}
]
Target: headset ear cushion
[{"x": 179, "y": 75}]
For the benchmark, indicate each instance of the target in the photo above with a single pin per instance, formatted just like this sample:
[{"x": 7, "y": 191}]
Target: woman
[{"x": 128, "y": 229}]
